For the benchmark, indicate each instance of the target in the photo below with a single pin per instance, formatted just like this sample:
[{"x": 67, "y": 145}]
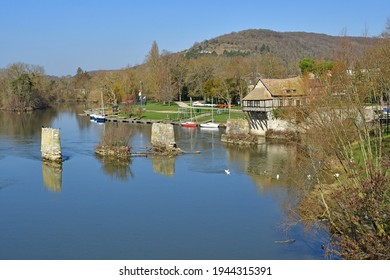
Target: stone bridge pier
[{"x": 50, "y": 145}]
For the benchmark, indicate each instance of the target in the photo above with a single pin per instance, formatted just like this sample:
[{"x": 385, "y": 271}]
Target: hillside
[{"x": 291, "y": 47}]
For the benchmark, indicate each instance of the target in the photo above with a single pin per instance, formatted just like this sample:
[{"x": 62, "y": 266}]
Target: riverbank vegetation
[
  {"x": 348, "y": 152},
  {"x": 115, "y": 141},
  {"x": 24, "y": 87}
]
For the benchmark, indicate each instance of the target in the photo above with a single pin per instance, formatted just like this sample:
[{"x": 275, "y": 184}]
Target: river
[{"x": 148, "y": 208}]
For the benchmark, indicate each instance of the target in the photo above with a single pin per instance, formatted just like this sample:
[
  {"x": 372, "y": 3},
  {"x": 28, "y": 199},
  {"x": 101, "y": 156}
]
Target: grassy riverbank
[{"x": 173, "y": 112}]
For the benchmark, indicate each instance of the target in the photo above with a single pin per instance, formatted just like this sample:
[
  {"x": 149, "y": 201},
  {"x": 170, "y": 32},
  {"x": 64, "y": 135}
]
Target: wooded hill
[{"x": 290, "y": 47}]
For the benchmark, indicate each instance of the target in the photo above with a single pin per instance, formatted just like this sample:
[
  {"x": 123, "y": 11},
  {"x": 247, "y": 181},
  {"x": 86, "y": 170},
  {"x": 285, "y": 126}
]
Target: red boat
[{"x": 189, "y": 124}]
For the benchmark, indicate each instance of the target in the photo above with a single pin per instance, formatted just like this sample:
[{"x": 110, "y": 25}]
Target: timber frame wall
[{"x": 271, "y": 104}]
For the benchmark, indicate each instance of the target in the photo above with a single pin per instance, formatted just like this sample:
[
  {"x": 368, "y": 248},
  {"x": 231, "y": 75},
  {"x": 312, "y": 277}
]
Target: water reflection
[
  {"x": 267, "y": 164},
  {"x": 190, "y": 219},
  {"x": 52, "y": 175},
  {"x": 26, "y": 124},
  {"x": 188, "y": 138},
  {"x": 118, "y": 168},
  {"x": 21, "y": 131},
  {"x": 164, "y": 165},
  {"x": 274, "y": 168}
]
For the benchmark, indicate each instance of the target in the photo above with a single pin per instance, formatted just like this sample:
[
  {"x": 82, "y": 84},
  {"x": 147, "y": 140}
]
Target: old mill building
[{"x": 270, "y": 94}]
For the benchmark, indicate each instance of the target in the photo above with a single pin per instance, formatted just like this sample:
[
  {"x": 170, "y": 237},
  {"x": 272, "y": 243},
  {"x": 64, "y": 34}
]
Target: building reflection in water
[
  {"x": 263, "y": 163},
  {"x": 52, "y": 175},
  {"x": 164, "y": 165},
  {"x": 269, "y": 164}
]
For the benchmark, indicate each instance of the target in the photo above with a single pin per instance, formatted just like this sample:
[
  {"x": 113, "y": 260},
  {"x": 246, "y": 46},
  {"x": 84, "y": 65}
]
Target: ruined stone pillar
[
  {"x": 238, "y": 132},
  {"x": 163, "y": 135},
  {"x": 234, "y": 127},
  {"x": 50, "y": 145}
]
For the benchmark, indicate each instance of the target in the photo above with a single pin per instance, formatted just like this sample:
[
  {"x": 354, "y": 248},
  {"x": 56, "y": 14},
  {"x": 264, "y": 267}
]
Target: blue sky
[{"x": 61, "y": 35}]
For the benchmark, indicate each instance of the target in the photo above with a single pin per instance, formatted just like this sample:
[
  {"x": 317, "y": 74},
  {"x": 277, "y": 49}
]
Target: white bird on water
[
  {"x": 227, "y": 171},
  {"x": 277, "y": 176}
]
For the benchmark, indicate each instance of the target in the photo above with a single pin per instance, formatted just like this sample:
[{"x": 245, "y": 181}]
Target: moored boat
[
  {"x": 92, "y": 117},
  {"x": 209, "y": 125},
  {"x": 189, "y": 124},
  {"x": 97, "y": 118},
  {"x": 100, "y": 118}
]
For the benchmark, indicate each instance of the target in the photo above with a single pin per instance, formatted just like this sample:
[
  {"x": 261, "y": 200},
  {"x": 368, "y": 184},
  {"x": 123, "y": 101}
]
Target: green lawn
[
  {"x": 174, "y": 116},
  {"x": 147, "y": 115},
  {"x": 222, "y": 118},
  {"x": 172, "y": 112},
  {"x": 159, "y": 111},
  {"x": 157, "y": 106}
]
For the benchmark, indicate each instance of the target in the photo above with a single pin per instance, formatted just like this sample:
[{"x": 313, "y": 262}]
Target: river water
[{"x": 148, "y": 208}]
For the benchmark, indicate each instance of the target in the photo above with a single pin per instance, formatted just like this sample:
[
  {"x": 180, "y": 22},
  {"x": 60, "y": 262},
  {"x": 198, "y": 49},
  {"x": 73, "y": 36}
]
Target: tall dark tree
[
  {"x": 22, "y": 89},
  {"x": 153, "y": 63},
  {"x": 81, "y": 78}
]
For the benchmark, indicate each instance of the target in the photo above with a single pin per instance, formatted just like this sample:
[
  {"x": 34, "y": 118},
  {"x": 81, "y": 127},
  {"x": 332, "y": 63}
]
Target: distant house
[{"x": 269, "y": 94}]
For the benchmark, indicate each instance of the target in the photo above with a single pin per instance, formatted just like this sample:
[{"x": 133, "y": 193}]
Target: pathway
[{"x": 182, "y": 104}]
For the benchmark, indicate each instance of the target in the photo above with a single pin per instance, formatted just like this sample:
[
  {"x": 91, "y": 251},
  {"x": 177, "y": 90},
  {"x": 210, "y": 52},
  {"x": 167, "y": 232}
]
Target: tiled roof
[
  {"x": 267, "y": 89},
  {"x": 259, "y": 92}
]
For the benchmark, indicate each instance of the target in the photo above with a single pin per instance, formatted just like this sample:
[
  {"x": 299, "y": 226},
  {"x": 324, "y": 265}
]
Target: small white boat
[
  {"x": 192, "y": 122},
  {"x": 209, "y": 125},
  {"x": 92, "y": 117},
  {"x": 99, "y": 118}
]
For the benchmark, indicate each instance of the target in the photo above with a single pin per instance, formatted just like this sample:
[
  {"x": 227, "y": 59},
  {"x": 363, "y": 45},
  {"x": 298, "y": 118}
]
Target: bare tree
[
  {"x": 349, "y": 159},
  {"x": 200, "y": 71},
  {"x": 179, "y": 72}
]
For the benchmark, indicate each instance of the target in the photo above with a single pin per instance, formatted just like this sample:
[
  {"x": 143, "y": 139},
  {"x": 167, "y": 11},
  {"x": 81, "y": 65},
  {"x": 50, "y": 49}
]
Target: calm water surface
[{"x": 148, "y": 208}]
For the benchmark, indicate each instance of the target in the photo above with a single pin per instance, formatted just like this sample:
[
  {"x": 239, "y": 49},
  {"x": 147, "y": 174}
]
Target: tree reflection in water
[{"x": 116, "y": 167}]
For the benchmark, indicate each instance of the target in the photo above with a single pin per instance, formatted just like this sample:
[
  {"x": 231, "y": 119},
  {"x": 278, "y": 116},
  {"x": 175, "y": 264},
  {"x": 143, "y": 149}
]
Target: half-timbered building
[{"x": 270, "y": 94}]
